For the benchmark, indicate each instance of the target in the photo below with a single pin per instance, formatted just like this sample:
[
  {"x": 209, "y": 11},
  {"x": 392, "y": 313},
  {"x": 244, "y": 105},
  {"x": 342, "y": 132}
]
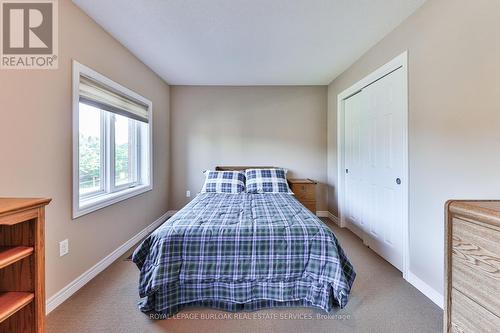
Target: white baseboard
[
  {"x": 425, "y": 289},
  {"x": 325, "y": 213},
  {"x": 334, "y": 218},
  {"x": 322, "y": 213},
  {"x": 66, "y": 292}
]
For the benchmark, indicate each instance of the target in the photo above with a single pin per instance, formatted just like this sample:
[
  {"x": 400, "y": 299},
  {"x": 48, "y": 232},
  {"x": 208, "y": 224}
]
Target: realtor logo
[{"x": 29, "y": 34}]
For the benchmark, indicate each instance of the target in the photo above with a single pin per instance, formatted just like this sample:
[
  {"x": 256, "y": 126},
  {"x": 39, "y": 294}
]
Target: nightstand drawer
[
  {"x": 304, "y": 191},
  {"x": 311, "y": 205}
]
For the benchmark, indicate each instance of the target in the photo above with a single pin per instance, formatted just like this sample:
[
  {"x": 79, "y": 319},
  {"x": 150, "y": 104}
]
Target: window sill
[{"x": 92, "y": 204}]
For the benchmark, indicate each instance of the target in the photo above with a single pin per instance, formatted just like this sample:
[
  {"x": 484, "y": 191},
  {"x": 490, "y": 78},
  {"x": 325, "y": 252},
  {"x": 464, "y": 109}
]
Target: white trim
[
  {"x": 91, "y": 205},
  {"x": 334, "y": 219},
  {"x": 146, "y": 175},
  {"x": 327, "y": 214},
  {"x": 399, "y": 61},
  {"x": 322, "y": 213},
  {"x": 58, "y": 298},
  {"x": 75, "y": 129},
  {"x": 425, "y": 289}
]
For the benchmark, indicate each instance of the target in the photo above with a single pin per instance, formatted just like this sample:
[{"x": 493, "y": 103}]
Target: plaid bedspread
[{"x": 242, "y": 252}]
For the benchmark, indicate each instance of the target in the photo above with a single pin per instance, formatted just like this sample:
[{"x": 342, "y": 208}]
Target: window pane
[
  {"x": 90, "y": 173},
  {"x": 123, "y": 164}
]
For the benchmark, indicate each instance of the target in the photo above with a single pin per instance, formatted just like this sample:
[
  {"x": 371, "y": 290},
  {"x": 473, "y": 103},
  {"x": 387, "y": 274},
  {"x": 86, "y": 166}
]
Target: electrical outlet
[
  {"x": 188, "y": 194},
  {"x": 63, "y": 247}
]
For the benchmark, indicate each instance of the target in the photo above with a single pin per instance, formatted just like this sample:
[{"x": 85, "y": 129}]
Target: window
[{"x": 111, "y": 142}]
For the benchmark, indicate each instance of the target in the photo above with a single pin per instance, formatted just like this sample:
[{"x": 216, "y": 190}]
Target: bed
[{"x": 242, "y": 252}]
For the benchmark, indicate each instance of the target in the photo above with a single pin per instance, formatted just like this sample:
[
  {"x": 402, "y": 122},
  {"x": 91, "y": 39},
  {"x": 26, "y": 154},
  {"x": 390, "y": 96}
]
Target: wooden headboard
[{"x": 239, "y": 168}]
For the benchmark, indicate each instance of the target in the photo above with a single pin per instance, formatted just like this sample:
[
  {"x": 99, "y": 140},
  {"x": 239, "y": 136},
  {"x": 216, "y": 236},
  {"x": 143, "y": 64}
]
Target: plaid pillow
[
  {"x": 266, "y": 181},
  {"x": 224, "y": 182}
]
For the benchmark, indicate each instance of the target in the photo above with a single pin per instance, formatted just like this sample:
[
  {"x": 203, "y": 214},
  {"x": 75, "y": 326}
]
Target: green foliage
[
  {"x": 121, "y": 162},
  {"x": 90, "y": 161}
]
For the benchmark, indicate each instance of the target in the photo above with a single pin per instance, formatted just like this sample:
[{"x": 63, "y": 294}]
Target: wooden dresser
[
  {"x": 305, "y": 192},
  {"x": 22, "y": 265},
  {"x": 472, "y": 266}
]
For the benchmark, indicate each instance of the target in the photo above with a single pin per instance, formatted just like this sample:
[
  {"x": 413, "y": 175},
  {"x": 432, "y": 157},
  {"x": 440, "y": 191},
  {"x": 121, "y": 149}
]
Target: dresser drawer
[
  {"x": 475, "y": 263},
  {"x": 304, "y": 192},
  {"x": 468, "y": 316}
]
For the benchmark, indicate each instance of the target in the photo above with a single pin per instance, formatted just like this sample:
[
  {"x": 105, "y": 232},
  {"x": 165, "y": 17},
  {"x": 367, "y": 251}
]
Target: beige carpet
[{"x": 381, "y": 301}]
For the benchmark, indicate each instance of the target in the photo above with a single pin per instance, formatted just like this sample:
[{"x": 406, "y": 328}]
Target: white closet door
[
  {"x": 374, "y": 158},
  {"x": 354, "y": 163}
]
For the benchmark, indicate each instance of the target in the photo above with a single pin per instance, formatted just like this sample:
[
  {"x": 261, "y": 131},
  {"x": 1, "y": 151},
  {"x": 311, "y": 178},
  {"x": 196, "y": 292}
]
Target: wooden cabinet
[
  {"x": 472, "y": 266},
  {"x": 22, "y": 265},
  {"x": 305, "y": 192}
]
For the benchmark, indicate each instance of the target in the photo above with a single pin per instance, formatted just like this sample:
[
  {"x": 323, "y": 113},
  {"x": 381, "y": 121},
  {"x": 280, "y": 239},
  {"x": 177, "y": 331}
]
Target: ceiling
[{"x": 248, "y": 42}]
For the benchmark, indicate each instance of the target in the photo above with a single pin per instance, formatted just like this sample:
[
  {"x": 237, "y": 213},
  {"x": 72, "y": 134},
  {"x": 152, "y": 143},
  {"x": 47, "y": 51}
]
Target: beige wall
[
  {"x": 277, "y": 126},
  {"x": 35, "y": 146},
  {"x": 454, "y": 116}
]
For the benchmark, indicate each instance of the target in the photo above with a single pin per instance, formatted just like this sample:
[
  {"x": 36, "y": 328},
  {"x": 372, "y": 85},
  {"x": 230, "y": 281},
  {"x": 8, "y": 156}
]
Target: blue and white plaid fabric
[
  {"x": 224, "y": 182},
  {"x": 266, "y": 181},
  {"x": 242, "y": 252}
]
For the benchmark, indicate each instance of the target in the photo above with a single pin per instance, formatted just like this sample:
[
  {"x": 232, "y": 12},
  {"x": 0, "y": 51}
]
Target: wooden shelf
[
  {"x": 13, "y": 301},
  {"x": 11, "y": 254},
  {"x": 22, "y": 265}
]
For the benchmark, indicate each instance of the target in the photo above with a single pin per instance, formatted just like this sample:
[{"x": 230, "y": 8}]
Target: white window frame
[
  {"x": 102, "y": 187},
  {"x": 102, "y": 198},
  {"x": 133, "y": 154}
]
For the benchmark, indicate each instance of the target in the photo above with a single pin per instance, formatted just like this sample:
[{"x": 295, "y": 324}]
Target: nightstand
[{"x": 305, "y": 192}]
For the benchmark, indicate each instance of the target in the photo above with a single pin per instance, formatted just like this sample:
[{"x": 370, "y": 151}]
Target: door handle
[
  {"x": 398, "y": 181},
  {"x": 346, "y": 170}
]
